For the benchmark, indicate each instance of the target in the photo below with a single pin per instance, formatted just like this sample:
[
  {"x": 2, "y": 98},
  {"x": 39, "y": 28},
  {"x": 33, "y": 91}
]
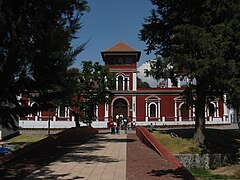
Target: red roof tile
[{"x": 120, "y": 47}]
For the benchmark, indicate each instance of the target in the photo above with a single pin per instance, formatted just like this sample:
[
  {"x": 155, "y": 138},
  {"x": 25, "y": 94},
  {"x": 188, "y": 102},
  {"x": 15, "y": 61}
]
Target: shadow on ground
[
  {"x": 217, "y": 140},
  {"x": 176, "y": 173},
  {"x": 38, "y": 160}
]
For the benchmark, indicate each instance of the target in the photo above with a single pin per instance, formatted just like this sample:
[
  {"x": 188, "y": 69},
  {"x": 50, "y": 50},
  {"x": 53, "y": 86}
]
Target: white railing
[{"x": 103, "y": 124}]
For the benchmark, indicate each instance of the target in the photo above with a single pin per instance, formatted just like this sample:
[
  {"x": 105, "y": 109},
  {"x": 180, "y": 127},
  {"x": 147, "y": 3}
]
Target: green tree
[
  {"x": 142, "y": 84},
  {"x": 233, "y": 97},
  {"x": 86, "y": 88},
  {"x": 198, "y": 40},
  {"x": 35, "y": 51}
]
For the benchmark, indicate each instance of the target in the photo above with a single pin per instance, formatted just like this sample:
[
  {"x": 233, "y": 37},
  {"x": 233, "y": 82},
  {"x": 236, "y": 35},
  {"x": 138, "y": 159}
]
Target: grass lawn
[
  {"x": 177, "y": 145},
  {"x": 217, "y": 141},
  {"x": 207, "y": 175},
  {"x": 24, "y": 139}
]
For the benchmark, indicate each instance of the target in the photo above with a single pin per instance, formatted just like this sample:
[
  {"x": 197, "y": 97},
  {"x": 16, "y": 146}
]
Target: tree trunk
[
  {"x": 76, "y": 118},
  {"x": 238, "y": 116},
  {"x": 199, "y": 134},
  {"x": 77, "y": 113}
]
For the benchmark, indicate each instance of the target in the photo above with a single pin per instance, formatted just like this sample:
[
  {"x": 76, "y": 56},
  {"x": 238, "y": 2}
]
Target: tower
[{"x": 122, "y": 59}]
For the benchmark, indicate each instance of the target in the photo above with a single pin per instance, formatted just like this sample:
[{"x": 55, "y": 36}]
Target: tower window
[
  {"x": 120, "y": 60},
  {"x": 120, "y": 83},
  {"x": 129, "y": 61},
  {"x": 126, "y": 84}
]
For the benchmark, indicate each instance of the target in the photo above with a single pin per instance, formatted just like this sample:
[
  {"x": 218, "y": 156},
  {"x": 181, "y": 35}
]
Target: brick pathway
[
  {"x": 104, "y": 157},
  {"x": 145, "y": 164}
]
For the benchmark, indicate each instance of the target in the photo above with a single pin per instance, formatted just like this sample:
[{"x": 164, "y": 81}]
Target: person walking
[{"x": 111, "y": 126}]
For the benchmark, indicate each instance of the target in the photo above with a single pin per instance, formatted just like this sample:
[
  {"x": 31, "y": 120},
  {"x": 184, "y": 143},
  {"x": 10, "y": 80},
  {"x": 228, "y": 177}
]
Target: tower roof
[{"x": 121, "y": 47}]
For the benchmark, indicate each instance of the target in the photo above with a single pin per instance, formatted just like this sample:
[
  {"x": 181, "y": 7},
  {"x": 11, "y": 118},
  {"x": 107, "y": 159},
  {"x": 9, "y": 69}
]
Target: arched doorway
[
  {"x": 185, "y": 112},
  {"x": 120, "y": 106}
]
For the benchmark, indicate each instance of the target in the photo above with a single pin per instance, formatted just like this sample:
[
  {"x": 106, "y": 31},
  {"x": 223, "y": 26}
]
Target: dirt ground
[{"x": 233, "y": 170}]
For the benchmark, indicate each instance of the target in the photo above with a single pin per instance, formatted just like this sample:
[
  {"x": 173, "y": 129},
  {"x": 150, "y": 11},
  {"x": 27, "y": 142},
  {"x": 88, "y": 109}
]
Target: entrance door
[
  {"x": 185, "y": 112},
  {"x": 120, "y": 106}
]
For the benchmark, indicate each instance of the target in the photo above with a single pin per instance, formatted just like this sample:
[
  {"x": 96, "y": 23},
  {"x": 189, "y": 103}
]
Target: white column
[
  {"x": 29, "y": 104},
  {"x": 193, "y": 111},
  {"x": 180, "y": 118},
  {"x": 158, "y": 111},
  {"x": 163, "y": 118},
  {"x": 210, "y": 118},
  {"x": 217, "y": 108},
  {"x": 190, "y": 114},
  {"x": 134, "y": 102},
  {"x": 134, "y": 81},
  {"x": 65, "y": 112},
  {"x": 116, "y": 83},
  {"x": 206, "y": 112},
  {"x": 146, "y": 109},
  {"x": 106, "y": 112},
  {"x": 68, "y": 112},
  {"x": 40, "y": 115},
  {"x": 127, "y": 83},
  {"x": 96, "y": 112},
  {"x": 58, "y": 111},
  {"x": 124, "y": 84},
  {"x": 175, "y": 110},
  {"x": 225, "y": 108}
]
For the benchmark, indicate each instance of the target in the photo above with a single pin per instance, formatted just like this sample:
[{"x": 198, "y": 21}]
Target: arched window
[
  {"x": 185, "y": 112},
  {"x": 152, "y": 110},
  {"x": 211, "y": 109},
  {"x": 126, "y": 84},
  {"x": 61, "y": 110},
  {"x": 120, "y": 83},
  {"x": 34, "y": 109},
  {"x": 153, "y": 107}
]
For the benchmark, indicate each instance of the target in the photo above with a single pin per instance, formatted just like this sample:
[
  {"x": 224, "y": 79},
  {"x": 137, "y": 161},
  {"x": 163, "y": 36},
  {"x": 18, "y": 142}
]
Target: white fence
[{"x": 103, "y": 124}]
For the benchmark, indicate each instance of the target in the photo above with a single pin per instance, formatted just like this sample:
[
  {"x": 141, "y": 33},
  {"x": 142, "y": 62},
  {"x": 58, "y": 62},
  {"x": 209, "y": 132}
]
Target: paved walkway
[{"x": 103, "y": 157}]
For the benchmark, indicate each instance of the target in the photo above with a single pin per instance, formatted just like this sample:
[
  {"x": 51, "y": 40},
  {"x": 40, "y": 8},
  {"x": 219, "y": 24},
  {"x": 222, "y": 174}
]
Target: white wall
[{"x": 58, "y": 124}]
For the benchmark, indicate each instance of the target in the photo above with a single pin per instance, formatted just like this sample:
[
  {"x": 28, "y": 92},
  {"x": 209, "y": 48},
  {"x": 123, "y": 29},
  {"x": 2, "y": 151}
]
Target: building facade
[{"x": 161, "y": 106}]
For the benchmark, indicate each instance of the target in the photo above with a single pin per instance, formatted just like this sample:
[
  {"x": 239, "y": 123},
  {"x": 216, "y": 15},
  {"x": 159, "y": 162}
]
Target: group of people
[{"x": 120, "y": 123}]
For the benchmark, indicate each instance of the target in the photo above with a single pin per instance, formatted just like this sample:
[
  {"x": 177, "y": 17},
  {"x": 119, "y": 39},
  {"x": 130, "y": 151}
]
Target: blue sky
[{"x": 111, "y": 21}]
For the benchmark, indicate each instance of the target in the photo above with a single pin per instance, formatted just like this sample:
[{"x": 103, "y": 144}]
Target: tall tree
[
  {"x": 35, "y": 50},
  {"x": 86, "y": 88},
  {"x": 198, "y": 40}
]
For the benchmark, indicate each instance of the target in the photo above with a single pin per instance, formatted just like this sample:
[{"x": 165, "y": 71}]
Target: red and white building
[{"x": 162, "y": 105}]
